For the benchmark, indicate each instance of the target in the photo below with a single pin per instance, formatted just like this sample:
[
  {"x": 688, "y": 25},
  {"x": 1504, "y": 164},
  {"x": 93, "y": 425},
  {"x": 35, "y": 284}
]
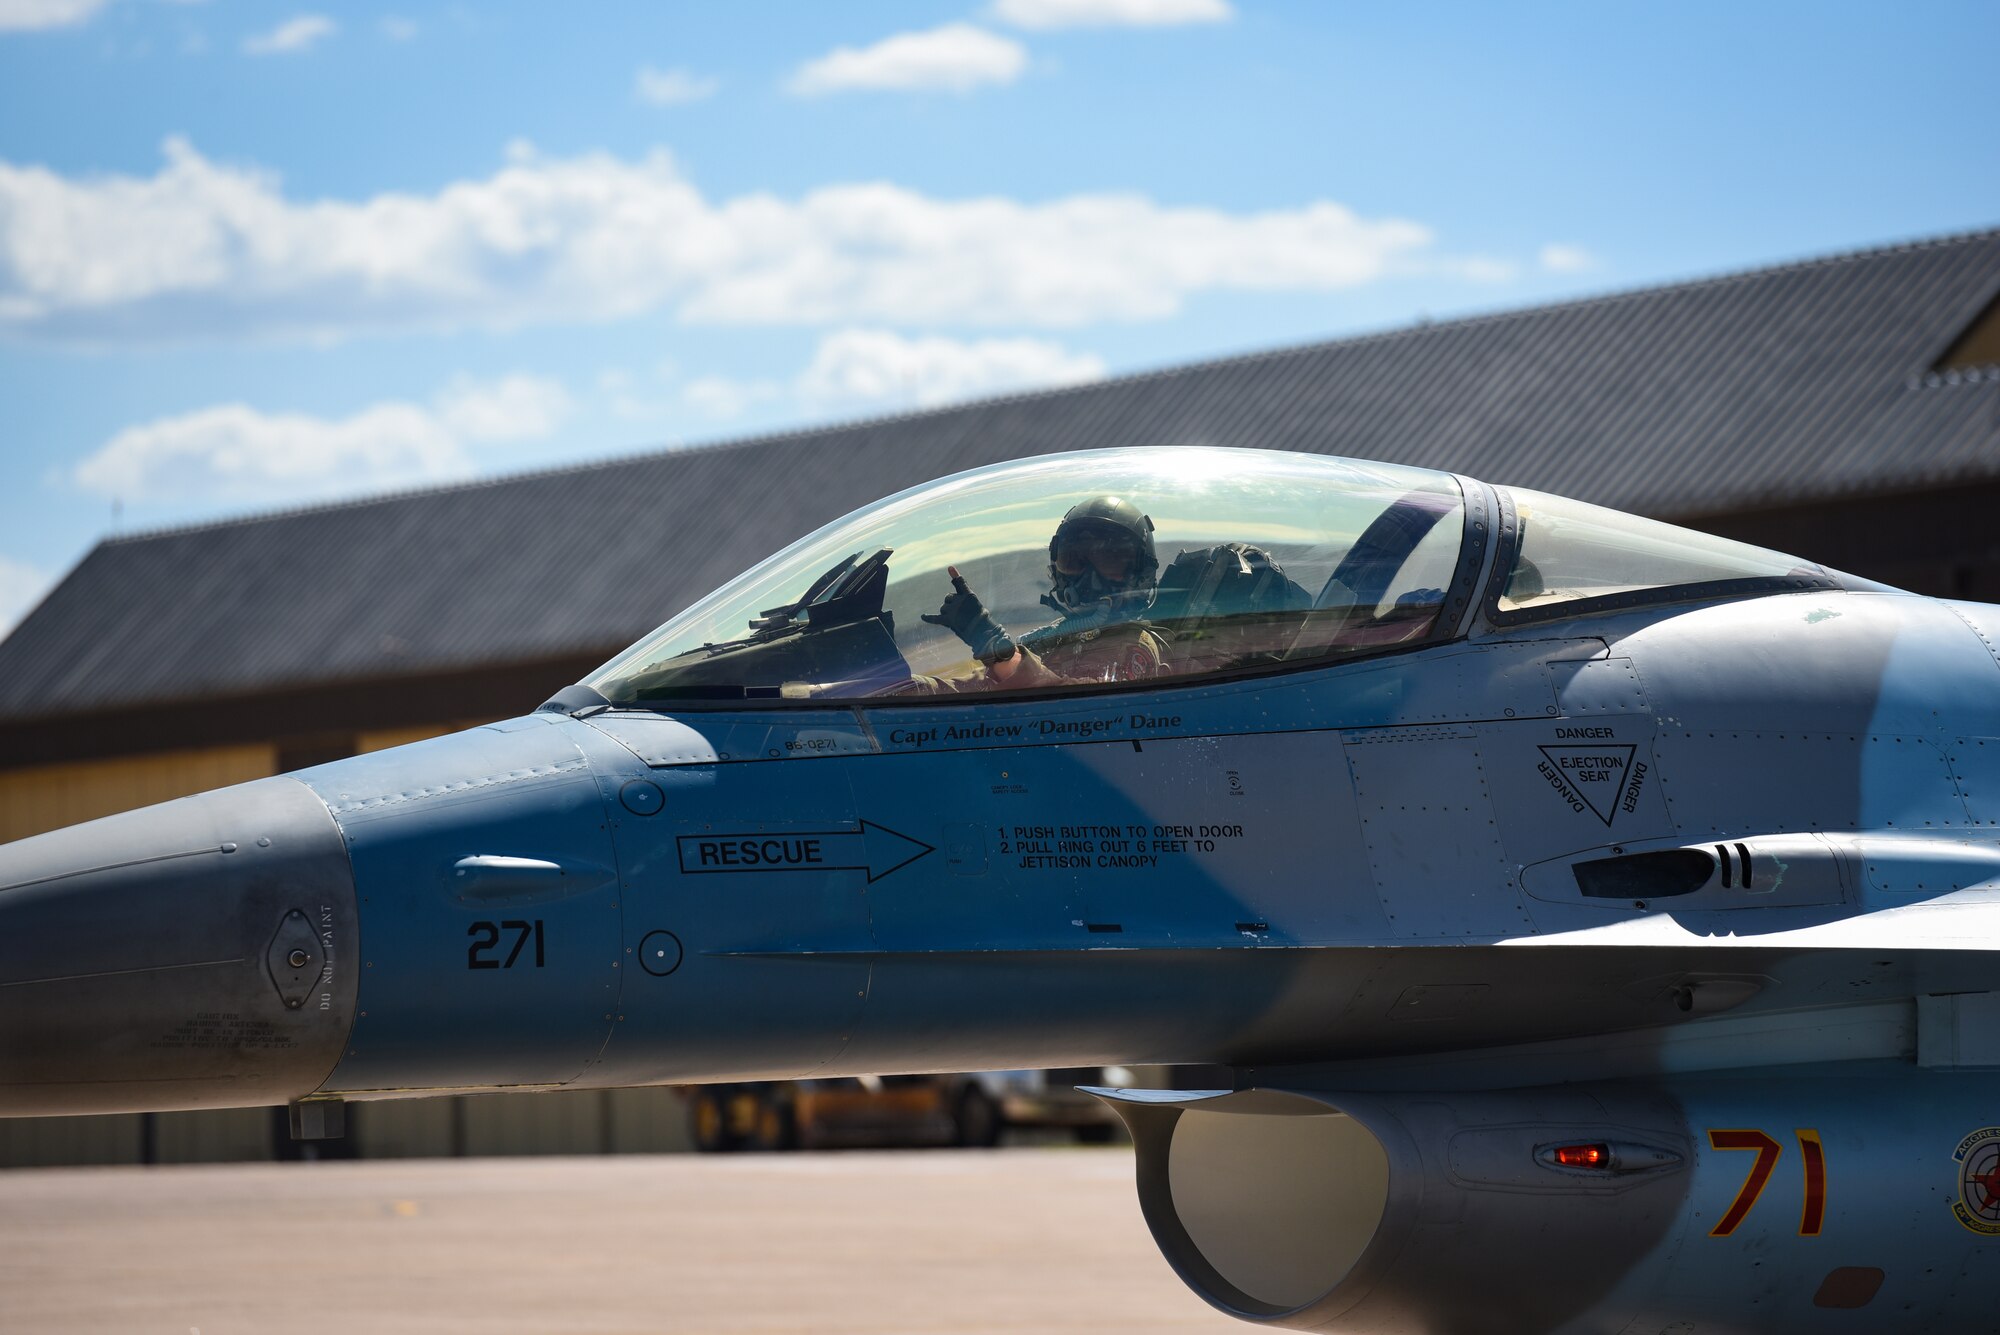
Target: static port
[{"x": 293, "y": 959}]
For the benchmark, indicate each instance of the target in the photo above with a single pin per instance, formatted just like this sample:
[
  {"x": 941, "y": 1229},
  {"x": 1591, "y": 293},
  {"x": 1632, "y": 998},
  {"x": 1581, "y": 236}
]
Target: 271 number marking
[{"x": 486, "y": 936}]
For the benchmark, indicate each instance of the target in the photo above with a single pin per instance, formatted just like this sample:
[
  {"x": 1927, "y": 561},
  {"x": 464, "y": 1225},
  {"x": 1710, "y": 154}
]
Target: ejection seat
[{"x": 1226, "y": 607}]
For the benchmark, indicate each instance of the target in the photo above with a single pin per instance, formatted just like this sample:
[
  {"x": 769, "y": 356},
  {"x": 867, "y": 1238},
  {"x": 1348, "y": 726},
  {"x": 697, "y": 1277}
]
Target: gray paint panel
[{"x": 1411, "y": 786}]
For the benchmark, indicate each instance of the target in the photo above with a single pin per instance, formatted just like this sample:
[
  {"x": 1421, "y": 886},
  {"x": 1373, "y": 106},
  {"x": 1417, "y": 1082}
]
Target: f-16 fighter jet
[{"x": 1595, "y": 919}]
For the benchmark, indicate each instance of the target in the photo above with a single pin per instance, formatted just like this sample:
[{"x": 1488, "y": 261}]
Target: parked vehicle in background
[
  {"x": 1052, "y": 1099},
  {"x": 899, "y": 1110}
]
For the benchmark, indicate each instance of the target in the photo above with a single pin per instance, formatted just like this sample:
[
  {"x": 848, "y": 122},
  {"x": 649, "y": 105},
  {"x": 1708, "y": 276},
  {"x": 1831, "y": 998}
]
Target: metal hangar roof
[{"x": 1786, "y": 384}]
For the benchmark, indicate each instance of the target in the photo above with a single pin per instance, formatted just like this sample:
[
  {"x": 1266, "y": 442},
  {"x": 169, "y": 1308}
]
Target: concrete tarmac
[{"x": 964, "y": 1242}]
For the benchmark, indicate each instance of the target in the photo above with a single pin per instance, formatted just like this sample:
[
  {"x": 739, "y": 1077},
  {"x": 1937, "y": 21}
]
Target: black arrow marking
[{"x": 875, "y": 849}]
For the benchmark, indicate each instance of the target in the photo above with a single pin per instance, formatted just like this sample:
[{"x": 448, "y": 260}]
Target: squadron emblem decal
[{"x": 1978, "y": 1160}]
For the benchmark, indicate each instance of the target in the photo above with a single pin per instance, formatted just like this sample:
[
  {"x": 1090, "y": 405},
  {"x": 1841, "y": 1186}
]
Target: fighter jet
[{"x": 1594, "y": 918}]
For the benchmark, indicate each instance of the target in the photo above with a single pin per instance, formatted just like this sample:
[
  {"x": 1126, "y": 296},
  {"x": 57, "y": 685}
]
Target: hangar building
[{"x": 1846, "y": 409}]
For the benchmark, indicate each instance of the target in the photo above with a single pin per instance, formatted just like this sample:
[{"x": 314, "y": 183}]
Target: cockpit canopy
[
  {"x": 1262, "y": 558},
  {"x": 1574, "y": 557},
  {"x": 1118, "y": 566}
]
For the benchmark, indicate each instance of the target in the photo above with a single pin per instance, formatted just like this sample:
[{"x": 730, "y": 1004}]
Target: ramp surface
[{"x": 955, "y": 1242}]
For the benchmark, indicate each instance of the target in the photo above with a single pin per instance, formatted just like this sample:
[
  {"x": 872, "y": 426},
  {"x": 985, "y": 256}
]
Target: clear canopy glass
[
  {"x": 1256, "y": 559},
  {"x": 1572, "y": 552}
]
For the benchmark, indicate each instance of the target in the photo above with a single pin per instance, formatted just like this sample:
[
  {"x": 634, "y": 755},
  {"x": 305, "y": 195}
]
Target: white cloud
[
  {"x": 21, "y": 587},
  {"x": 672, "y": 88},
  {"x": 876, "y": 366},
  {"x": 233, "y": 452},
  {"x": 1558, "y": 258},
  {"x": 721, "y": 397},
  {"x": 640, "y": 397},
  {"x": 206, "y": 250},
  {"x": 516, "y": 407},
  {"x": 955, "y": 58},
  {"x": 1479, "y": 269},
  {"x": 27, "y": 15},
  {"x": 295, "y": 34},
  {"x": 878, "y": 369},
  {"x": 397, "y": 28},
  {"x": 1110, "y": 13}
]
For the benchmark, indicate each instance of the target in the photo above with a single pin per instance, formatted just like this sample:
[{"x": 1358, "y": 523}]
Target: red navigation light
[{"x": 1583, "y": 1156}]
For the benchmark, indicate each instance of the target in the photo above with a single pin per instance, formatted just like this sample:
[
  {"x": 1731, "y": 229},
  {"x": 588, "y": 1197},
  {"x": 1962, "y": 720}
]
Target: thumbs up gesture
[{"x": 966, "y": 617}]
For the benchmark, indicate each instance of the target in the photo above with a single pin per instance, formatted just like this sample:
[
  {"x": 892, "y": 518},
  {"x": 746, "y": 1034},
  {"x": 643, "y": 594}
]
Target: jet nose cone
[{"x": 188, "y": 955}]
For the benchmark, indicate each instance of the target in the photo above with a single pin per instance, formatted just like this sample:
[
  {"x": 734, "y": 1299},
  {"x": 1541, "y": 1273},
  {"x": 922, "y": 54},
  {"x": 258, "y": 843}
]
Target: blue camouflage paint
[{"x": 1626, "y": 872}]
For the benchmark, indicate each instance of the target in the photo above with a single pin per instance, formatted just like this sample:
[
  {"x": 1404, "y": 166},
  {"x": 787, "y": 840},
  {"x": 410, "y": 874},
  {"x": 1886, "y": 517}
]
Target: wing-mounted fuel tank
[{"x": 1704, "y": 1205}]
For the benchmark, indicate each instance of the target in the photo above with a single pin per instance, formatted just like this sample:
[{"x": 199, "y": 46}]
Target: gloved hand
[{"x": 966, "y": 617}]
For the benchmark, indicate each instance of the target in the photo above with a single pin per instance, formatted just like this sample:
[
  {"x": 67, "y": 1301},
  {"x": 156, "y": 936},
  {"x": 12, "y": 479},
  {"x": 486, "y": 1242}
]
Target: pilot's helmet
[{"x": 1102, "y": 548}]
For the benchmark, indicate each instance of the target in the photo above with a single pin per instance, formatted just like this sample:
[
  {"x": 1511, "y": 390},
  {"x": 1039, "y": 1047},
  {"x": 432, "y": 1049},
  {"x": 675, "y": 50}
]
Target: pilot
[{"x": 1102, "y": 573}]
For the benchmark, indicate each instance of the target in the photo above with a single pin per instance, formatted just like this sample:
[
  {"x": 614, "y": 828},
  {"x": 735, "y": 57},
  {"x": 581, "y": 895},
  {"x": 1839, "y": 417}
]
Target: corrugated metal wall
[
  {"x": 47, "y": 1141},
  {"x": 48, "y": 797},
  {"x": 587, "y": 1121}
]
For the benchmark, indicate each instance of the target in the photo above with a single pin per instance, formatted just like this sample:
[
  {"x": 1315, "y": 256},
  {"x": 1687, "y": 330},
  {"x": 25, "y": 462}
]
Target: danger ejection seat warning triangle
[{"x": 1591, "y": 776}]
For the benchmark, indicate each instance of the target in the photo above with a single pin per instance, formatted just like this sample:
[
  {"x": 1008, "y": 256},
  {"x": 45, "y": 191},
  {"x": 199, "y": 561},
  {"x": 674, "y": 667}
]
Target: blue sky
[{"x": 257, "y": 255}]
